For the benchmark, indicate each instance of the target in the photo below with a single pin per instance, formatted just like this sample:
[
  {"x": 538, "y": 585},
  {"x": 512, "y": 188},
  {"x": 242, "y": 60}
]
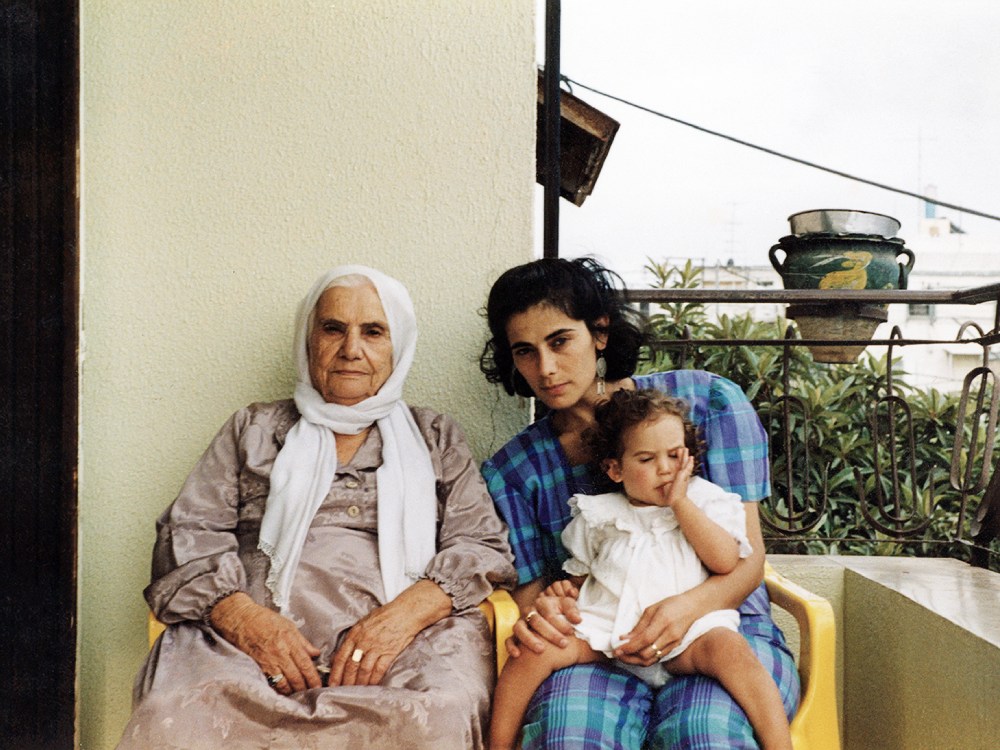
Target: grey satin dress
[{"x": 196, "y": 690}]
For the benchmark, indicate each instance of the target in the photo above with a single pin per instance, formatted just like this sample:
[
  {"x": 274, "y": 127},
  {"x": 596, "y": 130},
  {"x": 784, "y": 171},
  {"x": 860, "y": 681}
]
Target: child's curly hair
[{"x": 626, "y": 409}]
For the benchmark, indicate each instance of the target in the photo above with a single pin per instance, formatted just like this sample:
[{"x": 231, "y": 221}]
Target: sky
[{"x": 899, "y": 92}]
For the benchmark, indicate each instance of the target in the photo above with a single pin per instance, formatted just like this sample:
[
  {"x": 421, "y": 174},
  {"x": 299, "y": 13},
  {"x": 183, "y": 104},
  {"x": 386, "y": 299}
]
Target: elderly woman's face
[{"x": 350, "y": 352}]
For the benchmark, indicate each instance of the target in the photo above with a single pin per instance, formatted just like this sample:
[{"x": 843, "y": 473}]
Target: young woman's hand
[
  {"x": 549, "y": 620},
  {"x": 659, "y": 630}
]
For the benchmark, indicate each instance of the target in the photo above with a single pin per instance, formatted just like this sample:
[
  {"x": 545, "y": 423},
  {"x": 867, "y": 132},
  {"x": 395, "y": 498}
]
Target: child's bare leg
[
  {"x": 726, "y": 656},
  {"x": 519, "y": 680}
]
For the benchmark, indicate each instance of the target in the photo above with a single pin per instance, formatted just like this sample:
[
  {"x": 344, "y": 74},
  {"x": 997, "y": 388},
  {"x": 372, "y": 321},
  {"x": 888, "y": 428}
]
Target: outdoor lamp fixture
[{"x": 585, "y": 135}]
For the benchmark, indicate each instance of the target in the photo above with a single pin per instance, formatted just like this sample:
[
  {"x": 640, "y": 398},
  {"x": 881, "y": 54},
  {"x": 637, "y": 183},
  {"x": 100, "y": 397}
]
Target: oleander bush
[{"x": 841, "y": 426}]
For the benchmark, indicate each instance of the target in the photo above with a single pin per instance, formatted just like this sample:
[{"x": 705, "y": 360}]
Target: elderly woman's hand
[
  {"x": 270, "y": 640},
  {"x": 372, "y": 645}
]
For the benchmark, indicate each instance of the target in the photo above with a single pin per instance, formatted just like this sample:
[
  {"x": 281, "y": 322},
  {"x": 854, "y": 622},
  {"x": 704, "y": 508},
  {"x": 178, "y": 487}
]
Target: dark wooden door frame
[{"x": 39, "y": 296}]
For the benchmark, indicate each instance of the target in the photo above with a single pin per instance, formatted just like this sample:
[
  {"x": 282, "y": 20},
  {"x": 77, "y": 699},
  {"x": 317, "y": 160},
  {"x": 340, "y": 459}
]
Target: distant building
[{"x": 946, "y": 259}]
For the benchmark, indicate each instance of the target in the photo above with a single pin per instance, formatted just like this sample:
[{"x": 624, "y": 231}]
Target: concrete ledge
[
  {"x": 918, "y": 648},
  {"x": 966, "y": 596}
]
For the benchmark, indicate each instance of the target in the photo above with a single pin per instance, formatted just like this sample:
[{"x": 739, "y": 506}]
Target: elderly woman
[{"x": 320, "y": 569}]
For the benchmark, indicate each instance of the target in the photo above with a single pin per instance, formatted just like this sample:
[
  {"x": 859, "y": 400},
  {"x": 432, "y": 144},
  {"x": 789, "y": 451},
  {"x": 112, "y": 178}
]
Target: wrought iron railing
[{"x": 896, "y": 509}]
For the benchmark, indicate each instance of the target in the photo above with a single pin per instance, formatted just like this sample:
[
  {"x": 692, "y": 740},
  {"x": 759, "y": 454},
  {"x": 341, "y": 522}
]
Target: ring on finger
[
  {"x": 656, "y": 650},
  {"x": 357, "y": 656},
  {"x": 527, "y": 617},
  {"x": 275, "y": 679}
]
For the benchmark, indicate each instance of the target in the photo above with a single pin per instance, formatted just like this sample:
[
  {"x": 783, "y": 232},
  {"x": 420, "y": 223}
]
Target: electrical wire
[{"x": 772, "y": 152}]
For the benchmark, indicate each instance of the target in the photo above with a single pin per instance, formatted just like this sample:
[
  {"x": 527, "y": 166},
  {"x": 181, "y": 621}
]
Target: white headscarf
[{"x": 304, "y": 468}]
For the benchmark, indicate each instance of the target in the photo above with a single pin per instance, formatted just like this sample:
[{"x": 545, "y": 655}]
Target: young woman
[{"x": 561, "y": 332}]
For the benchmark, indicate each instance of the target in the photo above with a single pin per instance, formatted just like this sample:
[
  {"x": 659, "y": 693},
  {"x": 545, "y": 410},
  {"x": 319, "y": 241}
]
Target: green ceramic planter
[
  {"x": 842, "y": 262},
  {"x": 821, "y": 261}
]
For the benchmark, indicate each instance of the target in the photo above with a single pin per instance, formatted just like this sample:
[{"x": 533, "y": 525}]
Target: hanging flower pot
[
  {"x": 831, "y": 261},
  {"x": 844, "y": 322}
]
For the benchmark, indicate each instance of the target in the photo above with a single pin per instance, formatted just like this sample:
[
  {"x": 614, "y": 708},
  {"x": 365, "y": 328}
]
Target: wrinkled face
[
  {"x": 555, "y": 354},
  {"x": 350, "y": 352},
  {"x": 649, "y": 460}
]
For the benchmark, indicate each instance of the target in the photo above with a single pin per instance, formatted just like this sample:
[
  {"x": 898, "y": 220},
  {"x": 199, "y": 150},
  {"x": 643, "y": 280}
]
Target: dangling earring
[{"x": 602, "y": 370}]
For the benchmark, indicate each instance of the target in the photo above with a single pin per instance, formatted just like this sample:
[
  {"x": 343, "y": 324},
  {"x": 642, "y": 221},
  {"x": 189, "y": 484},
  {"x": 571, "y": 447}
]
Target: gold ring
[
  {"x": 357, "y": 655},
  {"x": 659, "y": 654},
  {"x": 527, "y": 617}
]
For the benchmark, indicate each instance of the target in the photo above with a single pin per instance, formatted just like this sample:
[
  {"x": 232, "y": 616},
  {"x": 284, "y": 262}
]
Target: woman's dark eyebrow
[{"x": 554, "y": 334}]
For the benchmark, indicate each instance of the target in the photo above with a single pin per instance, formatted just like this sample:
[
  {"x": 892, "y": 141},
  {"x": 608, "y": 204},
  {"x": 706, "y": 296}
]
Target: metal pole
[{"x": 553, "y": 146}]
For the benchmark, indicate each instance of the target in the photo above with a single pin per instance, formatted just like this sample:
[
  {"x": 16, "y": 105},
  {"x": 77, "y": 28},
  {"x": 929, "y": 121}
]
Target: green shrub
[{"x": 841, "y": 424}]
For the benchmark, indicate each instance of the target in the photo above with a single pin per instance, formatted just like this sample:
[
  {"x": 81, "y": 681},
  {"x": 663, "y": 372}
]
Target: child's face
[{"x": 649, "y": 460}]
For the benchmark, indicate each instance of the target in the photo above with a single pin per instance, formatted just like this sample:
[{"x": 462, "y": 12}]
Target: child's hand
[
  {"x": 685, "y": 468},
  {"x": 561, "y": 588}
]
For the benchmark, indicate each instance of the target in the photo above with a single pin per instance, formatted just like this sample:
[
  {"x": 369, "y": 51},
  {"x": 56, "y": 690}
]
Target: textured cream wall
[{"x": 231, "y": 151}]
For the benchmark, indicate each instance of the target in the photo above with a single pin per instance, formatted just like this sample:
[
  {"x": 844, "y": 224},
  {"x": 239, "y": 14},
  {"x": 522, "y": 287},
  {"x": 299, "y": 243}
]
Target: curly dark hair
[
  {"x": 584, "y": 290},
  {"x": 624, "y": 410}
]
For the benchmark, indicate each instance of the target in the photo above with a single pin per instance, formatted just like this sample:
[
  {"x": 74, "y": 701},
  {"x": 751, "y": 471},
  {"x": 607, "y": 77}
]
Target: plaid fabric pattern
[
  {"x": 595, "y": 706},
  {"x": 696, "y": 713},
  {"x": 599, "y": 705},
  {"x": 530, "y": 481},
  {"x": 736, "y": 456},
  {"x": 530, "y": 478}
]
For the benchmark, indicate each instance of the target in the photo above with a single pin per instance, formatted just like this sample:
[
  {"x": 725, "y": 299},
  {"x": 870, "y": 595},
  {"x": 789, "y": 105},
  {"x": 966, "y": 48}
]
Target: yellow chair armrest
[
  {"x": 153, "y": 628},
  {"x": 501, "y": 613},
  {"x": 815, "y": 725}
]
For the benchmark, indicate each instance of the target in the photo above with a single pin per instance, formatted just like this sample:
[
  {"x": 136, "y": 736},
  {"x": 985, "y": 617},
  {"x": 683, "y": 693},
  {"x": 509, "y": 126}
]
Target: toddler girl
[{"x": 664, "y": 534}]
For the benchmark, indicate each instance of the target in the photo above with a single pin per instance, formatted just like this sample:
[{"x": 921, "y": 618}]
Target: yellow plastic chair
[
  {"x": 815, "y": 726},
  {"x": 501, "y": 613}
]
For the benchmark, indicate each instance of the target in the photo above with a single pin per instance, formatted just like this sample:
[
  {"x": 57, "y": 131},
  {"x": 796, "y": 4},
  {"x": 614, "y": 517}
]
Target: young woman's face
[
  {"x": 650, "y": 460},
  {"x": 555, "y": 354}
]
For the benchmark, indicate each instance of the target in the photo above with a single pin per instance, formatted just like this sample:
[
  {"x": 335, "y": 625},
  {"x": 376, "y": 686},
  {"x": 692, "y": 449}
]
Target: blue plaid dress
[{"x": 599, "y": 705}]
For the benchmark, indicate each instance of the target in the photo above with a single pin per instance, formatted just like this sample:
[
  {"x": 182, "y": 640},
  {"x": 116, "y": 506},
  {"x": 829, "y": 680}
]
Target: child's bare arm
[{"x": 715, "y": 546}]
